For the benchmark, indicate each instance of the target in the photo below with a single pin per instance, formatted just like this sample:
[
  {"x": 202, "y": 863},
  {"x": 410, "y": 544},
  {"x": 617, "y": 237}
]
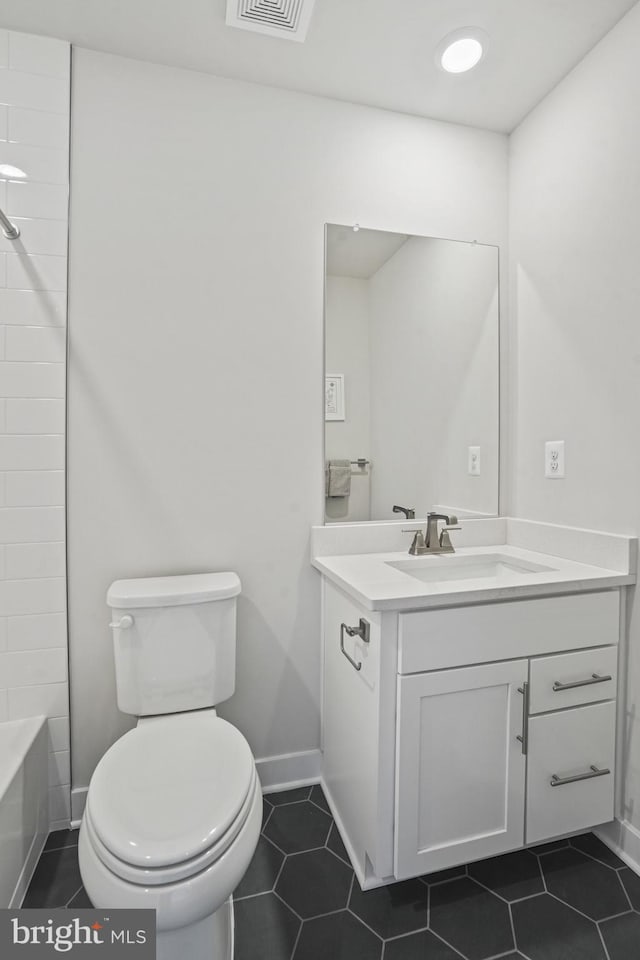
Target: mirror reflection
[{"x": 411, "y": 376}]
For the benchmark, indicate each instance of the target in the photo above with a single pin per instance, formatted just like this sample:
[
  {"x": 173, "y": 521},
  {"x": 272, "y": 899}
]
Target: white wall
[
  {"x": 195, "y": 381},
  {"x": 434, "y": 374},
  {"x": 574, "y": 202},
  {"x": 34, "y": 137},
  {"x": 346, "y": 346}
]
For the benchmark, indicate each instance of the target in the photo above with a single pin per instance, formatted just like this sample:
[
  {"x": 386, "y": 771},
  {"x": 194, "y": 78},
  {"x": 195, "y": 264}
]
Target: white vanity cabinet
[{"x": 468, "y": 731}]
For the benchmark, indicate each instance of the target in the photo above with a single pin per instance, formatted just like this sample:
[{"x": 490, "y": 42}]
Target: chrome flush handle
[{"x": 123, "y": 623}]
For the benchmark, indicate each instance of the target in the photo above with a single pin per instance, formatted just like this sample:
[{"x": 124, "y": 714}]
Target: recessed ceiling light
[{"x": 462, "y": 50}]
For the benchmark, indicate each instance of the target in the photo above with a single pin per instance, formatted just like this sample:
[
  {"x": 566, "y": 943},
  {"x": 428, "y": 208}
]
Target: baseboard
[
  {"x": 285, "y": 772},
  {"x": 624, "y": 839},
  {"x": 289, "y": 770},
  {"x": 30, "y": 864},
  {"x": 78, "y": 800}
]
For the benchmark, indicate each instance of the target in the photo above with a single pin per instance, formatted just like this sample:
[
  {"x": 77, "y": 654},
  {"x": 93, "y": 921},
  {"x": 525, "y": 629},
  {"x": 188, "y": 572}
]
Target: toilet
[{"x": 174, "y": 807}]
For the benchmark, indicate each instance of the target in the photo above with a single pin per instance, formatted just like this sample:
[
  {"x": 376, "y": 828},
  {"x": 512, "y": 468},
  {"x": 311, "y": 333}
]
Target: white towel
[{"x": 339, "y": 478}]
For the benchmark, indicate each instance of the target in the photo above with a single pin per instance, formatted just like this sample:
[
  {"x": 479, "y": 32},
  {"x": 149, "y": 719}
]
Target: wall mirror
[{"x": 411, "y": 375}]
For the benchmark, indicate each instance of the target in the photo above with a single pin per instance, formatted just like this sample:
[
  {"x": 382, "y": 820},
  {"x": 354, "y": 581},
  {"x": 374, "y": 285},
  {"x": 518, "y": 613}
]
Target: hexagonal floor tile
[
  {"x": 589, "y": 843},
  {"x": 265, "y": 928},
  {"x": 263, "y": 871},
  {"x": 419, "y": 946},
  {"x": 471, "y": 919},
  {"x": 335, "y": 844},
  {"x": 80, "y": 901},
  {"x": 296, "y": 827},
  {"x": 339, "y": 936},
  {"x": 288, "y": 796},
  {"x": 549, "y": 930},
  {"x": 314, "y": 883},
  {"x": 441, "y": 876},
  {"x": 393, "y": 910},
  {"x": 541, "y": 848},
  {"x": 56, "y": 879},
  {"x": 631, "y": 883},
  {"x": 622, "y": 937},
  {"x": 513, "y": 876},
  {"x": 317, "y": 796},
  {"x": 584, "y": 883}
]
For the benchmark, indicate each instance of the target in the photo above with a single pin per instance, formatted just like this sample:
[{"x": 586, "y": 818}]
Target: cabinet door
[
  {"x": 460, "y": 774},
  {"x": 570, "y": 779}
]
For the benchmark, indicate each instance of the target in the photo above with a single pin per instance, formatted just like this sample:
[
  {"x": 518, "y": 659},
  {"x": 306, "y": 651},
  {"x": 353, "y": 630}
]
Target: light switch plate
[
  {"x": 554, "y": 459},
  {"x": 474, "y": 462}
]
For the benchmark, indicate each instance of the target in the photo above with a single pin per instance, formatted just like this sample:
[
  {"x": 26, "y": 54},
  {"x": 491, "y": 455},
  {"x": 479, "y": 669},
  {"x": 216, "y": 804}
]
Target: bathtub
[{"x": 24, "y": 814}]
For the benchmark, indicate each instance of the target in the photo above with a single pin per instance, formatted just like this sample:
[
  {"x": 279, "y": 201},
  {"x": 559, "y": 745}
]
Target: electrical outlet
[
  {"x": 554, "y": 459},
  {"x": 474, "y": 462}
]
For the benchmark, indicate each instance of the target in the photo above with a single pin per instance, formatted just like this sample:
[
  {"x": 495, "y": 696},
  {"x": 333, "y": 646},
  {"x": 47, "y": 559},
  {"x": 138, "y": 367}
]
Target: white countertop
[{"x": 369, "y": 579}]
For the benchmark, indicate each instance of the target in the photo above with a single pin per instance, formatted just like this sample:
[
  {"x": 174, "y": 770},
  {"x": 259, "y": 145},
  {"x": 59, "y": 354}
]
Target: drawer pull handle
[
  {"x": 362, "y": 631},
  {"x": 524, "y": 739},
  {"x": 594, "y": 678},
  {"x": 594, "y": 771}
]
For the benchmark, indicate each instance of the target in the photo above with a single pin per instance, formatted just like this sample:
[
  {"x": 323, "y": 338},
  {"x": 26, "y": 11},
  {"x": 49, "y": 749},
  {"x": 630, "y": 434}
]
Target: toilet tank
[{"x": 174, "y": 642}]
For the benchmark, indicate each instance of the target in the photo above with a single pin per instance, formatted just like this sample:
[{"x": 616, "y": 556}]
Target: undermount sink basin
[{"x": 432, "y": 569}]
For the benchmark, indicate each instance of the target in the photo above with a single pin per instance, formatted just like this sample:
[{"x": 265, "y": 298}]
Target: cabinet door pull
[
  {"x": 362, "y": 631},
  {"x": 594, "y": 771},
  {"x": 524, "y": 738},
  {"x": 594, "y": 678}
]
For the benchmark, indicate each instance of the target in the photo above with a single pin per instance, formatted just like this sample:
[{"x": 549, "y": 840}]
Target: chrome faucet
[
  {"x": 409, "y": 512},
  {"x": 429, "y": 542}
]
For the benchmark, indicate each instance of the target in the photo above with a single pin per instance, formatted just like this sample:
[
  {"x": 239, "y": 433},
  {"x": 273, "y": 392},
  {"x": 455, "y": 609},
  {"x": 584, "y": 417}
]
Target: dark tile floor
[{"x": 571, "y": 900}]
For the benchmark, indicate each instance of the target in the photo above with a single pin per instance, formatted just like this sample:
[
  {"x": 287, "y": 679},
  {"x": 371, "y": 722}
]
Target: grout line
[
  {"x": 275, "y": 882},
  {"x": 586, "y": 916},
  {"x": 624, "y": 890},
  {"x": 364, "y": 923},
  {"x": 67, "y": 846},
  {"x": 338, "y": 858},
  {"x": 251, "y": 896},
  {"x": 593, "y": 857},
  {"x": 274, "y": 844},
  {"x": 287, "y": 803},
  {"x": 513, "y": 928},
  {"x": 498, "y": 956},
  {"x": 602, "y": 941},
  {"x": 75, "y": 895},
  {"x": 614, "y": 916},
  {"x": 320, "y": 916},
  {"x": 428, "y": 906},
  {"x": 446, "y": 942},
  {"x": 295, "y": 944},
  {"x": 287, "y": 905}
]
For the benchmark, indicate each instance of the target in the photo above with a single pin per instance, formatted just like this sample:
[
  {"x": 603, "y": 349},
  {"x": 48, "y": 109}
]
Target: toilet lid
[{"x": 170, "y": 789}]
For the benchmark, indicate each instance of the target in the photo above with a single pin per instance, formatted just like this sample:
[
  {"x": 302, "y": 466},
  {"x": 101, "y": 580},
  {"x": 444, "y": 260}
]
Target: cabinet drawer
[
  {"x": 571, "y": 744},
  {"x": 572, "y": 679},
  {"x": 478, "y": 633}
]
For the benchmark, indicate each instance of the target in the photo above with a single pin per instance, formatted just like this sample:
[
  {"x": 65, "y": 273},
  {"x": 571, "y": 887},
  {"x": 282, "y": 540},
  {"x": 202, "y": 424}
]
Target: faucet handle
[{"x": 418, "y": 547}]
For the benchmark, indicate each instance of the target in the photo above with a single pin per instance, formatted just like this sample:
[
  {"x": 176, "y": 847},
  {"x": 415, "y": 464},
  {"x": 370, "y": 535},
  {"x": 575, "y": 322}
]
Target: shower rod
[{"x": 9, "y": 229}]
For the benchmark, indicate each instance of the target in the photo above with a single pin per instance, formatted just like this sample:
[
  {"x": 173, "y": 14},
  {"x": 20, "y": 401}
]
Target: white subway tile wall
[{"x": 34, "y": 193}]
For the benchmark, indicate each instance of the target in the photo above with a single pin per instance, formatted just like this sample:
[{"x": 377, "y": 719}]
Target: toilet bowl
[
  {"x": 172, "y": 820},
  {"x": 174, "y": 807}
]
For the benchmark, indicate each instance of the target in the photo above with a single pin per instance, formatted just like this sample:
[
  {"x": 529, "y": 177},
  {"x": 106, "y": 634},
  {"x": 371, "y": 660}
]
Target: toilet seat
[{"x": 170, "y": 797}]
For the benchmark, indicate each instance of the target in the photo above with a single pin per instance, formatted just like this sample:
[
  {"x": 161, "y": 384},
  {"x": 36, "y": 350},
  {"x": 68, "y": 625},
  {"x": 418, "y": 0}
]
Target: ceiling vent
[{"x": 287, "y": 19}]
